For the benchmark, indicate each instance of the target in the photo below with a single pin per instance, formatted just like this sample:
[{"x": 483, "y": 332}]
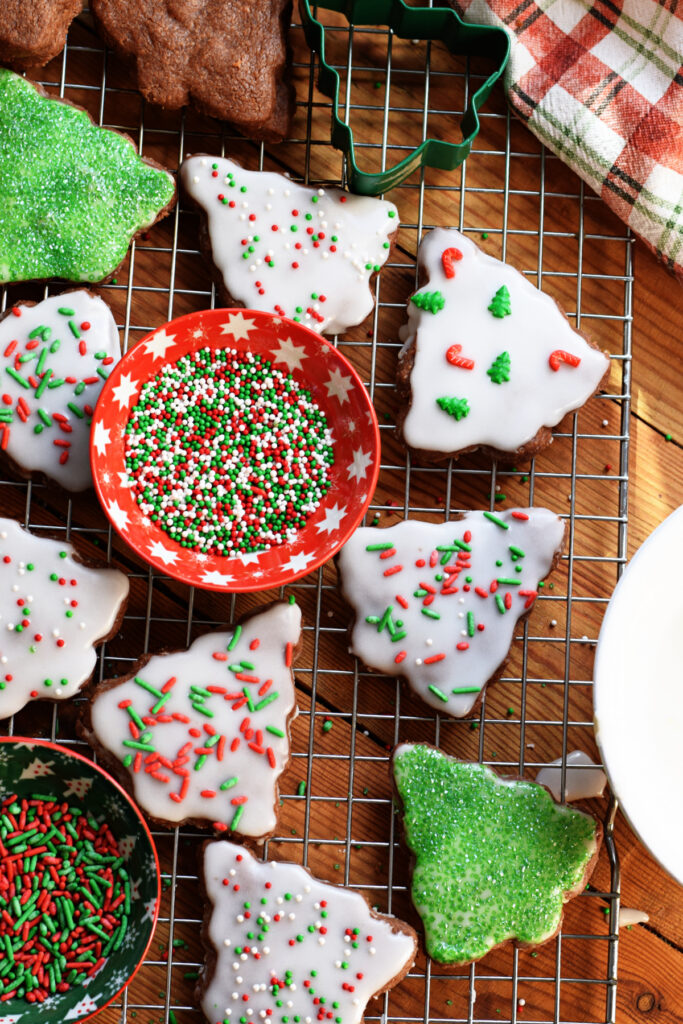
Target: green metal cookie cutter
[{"x": 424, "y": 23}]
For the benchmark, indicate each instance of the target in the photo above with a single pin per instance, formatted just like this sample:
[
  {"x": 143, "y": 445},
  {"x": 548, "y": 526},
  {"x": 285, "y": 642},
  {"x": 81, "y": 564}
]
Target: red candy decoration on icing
[
  {"x": 448, "y": 258},
  {"x": 455, "y": 359},
  {"x": 560, "y": 356}
]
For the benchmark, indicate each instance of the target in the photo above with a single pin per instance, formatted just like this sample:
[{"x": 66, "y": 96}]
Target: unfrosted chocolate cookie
[
  {"x": 31, "y": 34},
  {"x": 228, "y": 58}
]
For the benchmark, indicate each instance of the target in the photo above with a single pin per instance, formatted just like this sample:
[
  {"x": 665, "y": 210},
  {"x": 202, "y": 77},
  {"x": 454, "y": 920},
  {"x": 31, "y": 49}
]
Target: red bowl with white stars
[{"x": 234, "y": 450}]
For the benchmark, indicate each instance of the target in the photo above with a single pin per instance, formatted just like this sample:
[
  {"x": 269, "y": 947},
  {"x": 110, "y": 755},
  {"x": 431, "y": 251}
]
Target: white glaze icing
[
  {"x": 233, "y": 693},
  {"x": 297, "y": 924},
  {"x": 502, "y": 415},
  {"x": 324, "y": 244},
  {"x": 450, "y": 634},
  {"x": 53, "y": 610},
  {"x": 583, "y": 779},
  {"x": 628, "y": 916},
  {"x": 49, "y": 431}
]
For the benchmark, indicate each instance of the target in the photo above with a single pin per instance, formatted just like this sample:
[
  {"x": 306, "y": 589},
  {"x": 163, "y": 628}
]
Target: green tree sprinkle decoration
[
  {"x": 500, "y": 303},
  {"x": 431, "y": 301},
  {"x": 499, "y": 370},
  {"x": 456, "y": 407}
]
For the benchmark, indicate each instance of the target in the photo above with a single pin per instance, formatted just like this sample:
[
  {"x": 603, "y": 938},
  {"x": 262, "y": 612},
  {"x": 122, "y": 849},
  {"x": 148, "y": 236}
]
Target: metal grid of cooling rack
[{"x": 404, "y": 490}]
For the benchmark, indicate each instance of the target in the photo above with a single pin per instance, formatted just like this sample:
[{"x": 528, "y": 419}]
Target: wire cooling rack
[{"x": 520, "y": 203}]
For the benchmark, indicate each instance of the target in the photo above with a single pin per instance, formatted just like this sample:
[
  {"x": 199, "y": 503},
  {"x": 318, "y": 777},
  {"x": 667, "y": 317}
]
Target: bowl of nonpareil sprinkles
[
  {"x": 79, "y": 884},
  {"x": 234, "y": 450}
]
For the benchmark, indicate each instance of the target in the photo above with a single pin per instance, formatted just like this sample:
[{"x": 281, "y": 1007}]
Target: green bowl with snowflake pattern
[{"x": 70, "y": 833}]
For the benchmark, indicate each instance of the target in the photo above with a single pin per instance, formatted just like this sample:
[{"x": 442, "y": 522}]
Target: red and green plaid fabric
[{"x": 600, "y": 83}]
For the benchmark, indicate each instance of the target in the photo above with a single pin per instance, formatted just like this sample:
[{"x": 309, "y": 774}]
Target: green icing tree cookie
[
  {"x": 494, "y": 860},
  {"x": 72, "y": 195}
]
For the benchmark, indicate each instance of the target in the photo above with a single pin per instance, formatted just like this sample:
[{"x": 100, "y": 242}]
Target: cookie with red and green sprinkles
[
  {"x": 72, "y": 195},
  {"x": 55, "y": 355},
  {"x": 305, "y": 253},
  {"x": 494, "y": 860},
  {"x": 54, "y": 610},
  {"x": 439, "y": 603},
  {"x": 202, "y": 735},
  {"x": 227, "y": 454},
  {"x": 283, "y": 946}
]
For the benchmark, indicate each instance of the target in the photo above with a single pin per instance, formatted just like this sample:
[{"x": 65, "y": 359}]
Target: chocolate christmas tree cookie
[
  {"x": 283, "y": 946},
  {"x": 488, "y": 360},
  {"x": 203, "y": 735},
  {"x": 53, "y": 612},
  {"x": 72, "y": 195},
  {"x": 33, "y": 33},
  {"x": 54, "y": 358},
  {"x": 306, "y": 253},
  {"x": 439, "y": 603},
  {"x": 227, "y": 57},
  {"x": 493, "y": 860}
]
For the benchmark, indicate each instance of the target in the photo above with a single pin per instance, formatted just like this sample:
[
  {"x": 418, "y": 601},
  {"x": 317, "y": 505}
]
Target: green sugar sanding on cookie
[
  {"x": 493, "y": 859},
  {"x": 72, "y": 195}
]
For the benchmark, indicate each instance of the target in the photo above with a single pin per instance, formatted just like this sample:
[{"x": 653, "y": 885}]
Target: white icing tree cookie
[
  {"x": 438, "y": 603},
  {"x": 203, "y": 734},
  {"x": 53, "y": 610},
  {"x": 304, "y": 253},
  {"x": 54, "y": 358},
  {"x": 488, "y": 360},
  {"x": 283, "y": 946}
]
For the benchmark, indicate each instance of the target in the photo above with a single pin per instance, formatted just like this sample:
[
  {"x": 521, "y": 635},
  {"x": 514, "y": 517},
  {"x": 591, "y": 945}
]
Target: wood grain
[{"x": 351, "y": 834}]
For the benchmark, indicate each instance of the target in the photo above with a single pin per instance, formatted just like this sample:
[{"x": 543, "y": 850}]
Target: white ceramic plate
[{"x": 639, "y": 693}]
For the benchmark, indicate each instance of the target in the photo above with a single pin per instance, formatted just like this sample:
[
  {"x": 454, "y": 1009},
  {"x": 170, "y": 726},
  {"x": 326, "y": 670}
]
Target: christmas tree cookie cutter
[{"x": 440, "y": 23}]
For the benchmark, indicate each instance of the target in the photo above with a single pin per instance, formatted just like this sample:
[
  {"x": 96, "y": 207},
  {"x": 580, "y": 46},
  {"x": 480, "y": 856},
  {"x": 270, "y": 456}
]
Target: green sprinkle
[
  {"x": 494, "y": 519},
  {"x": 429, "y": 613},
  {"x": 17, "y": 377},
  {"x": 148, "y": 686},
  {"x": 239, "y": 811},
  {"x": 439, "y": 693}
]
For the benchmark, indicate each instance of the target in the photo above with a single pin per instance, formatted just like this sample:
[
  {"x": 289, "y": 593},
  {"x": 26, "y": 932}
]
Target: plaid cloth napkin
[{"x": 600, "y": 83}]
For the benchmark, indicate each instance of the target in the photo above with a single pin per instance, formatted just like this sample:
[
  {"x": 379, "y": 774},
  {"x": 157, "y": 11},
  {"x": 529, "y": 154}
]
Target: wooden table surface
[{"x": 347, "y": 814}]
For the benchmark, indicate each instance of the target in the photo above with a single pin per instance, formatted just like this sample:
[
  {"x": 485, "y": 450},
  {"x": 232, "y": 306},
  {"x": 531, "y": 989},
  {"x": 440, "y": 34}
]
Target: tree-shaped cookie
[
  {"x": 53, "y": 611},
  {"x": 33, "y": 33},
  {"x": 283, "y": 946},
  {"x": 203, "y": 734},
  {"x": 54, "y": 358},
  {"x": 493, "y": 860},
  {"x": 439, "y": 603},
  {"x": 305, "y": 253},
  {"x": 72, "y": 195},
  {"x": 228, "y": 59},
  {"x": 493, "y": 342}
]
